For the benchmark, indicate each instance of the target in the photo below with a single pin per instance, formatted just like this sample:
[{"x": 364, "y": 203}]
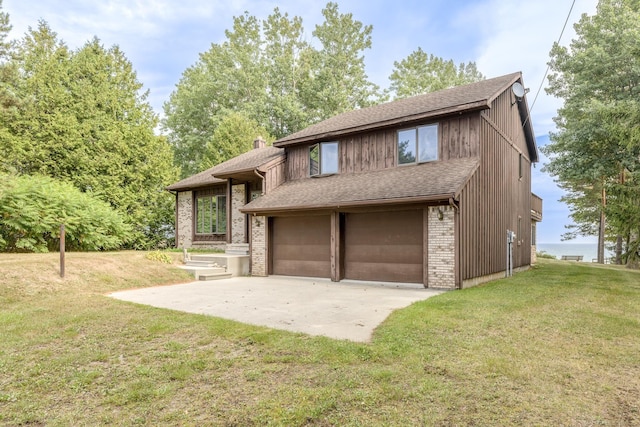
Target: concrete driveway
[{"x": 347, "y": 310}]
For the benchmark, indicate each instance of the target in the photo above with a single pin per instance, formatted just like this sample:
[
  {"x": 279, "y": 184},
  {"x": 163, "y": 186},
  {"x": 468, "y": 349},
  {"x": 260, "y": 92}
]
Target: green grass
[{"x": 557, "y": 345}]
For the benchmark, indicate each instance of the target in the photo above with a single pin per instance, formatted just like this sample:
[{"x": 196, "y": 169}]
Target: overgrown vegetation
[
  {"x": 82, "y": 117},
  {"x": 556, "y": 345},
  {"x": 32, "y": 208}
]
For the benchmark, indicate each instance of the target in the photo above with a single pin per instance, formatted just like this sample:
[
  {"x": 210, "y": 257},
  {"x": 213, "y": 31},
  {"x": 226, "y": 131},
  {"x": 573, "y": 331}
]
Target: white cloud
[{"x": 517, "y": 36}]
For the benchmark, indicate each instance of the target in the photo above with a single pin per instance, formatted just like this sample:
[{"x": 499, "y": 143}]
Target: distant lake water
[{"x": 589, "y": 251}]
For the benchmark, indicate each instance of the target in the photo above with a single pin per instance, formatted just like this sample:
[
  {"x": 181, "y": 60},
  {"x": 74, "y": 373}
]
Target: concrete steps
[
  {"x": 237, "y": 249},
  {"x": 216, "y": 265},
  {"x": 214, "y": 276}
]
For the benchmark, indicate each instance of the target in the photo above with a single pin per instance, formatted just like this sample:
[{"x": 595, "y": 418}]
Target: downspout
[{"x": 255, "y": 171}]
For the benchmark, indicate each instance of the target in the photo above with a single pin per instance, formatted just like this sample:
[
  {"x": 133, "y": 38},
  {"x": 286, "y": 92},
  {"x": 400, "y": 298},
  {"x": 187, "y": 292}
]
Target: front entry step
[
  {"x": 213, "y": 275},
  {"x": 237, "y": 249},
  {"x": 236, "y": 265}
]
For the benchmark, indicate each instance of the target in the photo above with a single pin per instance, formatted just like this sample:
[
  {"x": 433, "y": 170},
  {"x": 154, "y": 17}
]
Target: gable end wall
[{"x": 496, "y": 199}]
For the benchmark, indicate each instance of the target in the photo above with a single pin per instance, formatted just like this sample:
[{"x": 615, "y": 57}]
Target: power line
[{"x": 548, "y": 66}]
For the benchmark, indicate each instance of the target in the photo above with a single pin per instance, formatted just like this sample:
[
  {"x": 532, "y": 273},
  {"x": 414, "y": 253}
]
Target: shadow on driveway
[{"x": 348, "y": 310}]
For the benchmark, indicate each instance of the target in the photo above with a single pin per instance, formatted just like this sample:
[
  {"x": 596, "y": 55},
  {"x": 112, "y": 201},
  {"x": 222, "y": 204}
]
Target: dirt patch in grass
[{"x": 557, "y": 345}]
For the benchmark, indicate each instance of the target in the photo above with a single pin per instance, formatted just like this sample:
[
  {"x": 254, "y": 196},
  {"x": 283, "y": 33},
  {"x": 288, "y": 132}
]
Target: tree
[
  {"x": 233, "y": 136},
  {"x": 598, "y": 141},
  {"x": 266, "y": 71},
  {"x": 84, "y": 119},
  {"x": 420, "y": 73},
  {"x": 340, "y": 82},
  {"x": 8, "y": 73}
]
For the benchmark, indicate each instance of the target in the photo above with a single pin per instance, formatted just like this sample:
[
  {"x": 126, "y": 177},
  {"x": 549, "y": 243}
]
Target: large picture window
[
  {"x": 418, "y": 145},
  {"x": 211, "y": 214},
  {"x": 323, "y": 158}
]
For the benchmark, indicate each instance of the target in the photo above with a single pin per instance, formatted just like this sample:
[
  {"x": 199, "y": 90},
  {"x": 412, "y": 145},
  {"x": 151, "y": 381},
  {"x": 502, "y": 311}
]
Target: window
[
  {"x": 520, "y": 166},
  {"x": 323, "y": 158},
  {"x": 211, "y": 214},
  {"x": 533, "y": 234},
  {"x": 418, "y": 145}
]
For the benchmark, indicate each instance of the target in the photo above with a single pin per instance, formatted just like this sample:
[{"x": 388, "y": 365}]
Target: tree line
[{"x": 595, "y": 151}]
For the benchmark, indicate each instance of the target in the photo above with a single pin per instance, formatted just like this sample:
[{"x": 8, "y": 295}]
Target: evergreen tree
[{"x": 84, "y": 119}]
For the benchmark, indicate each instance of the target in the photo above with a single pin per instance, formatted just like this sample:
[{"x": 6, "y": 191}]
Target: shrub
[
  {"x": 159, "y": 256},
  {"x": 32, "y": 208}
]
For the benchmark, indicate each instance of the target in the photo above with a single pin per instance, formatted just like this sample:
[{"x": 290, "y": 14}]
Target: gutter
[{"x": 354, "y": 204}]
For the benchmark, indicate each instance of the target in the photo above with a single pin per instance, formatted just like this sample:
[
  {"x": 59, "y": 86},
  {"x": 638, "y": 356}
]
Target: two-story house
[{"x": 420, "y": 190}]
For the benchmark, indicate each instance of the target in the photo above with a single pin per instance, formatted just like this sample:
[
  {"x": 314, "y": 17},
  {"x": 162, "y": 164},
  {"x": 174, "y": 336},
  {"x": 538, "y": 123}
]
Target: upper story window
[
  {"x": 323, "y": 158},
  {"x": 418, "y": 145}
]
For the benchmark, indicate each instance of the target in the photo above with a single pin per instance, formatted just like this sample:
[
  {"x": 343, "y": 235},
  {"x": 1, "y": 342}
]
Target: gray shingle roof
[
  {"x": 250, "y": 160},
  {"x": 404, "y": 184},
  {"x": 201, "y": 179},
  {"x": 461, "y": 98}
]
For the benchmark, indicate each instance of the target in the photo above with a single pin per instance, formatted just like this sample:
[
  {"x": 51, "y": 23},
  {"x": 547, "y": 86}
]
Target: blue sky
[{"x": 164, "y": 37}]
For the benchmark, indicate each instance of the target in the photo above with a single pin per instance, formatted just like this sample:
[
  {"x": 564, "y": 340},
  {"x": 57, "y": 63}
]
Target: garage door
[
  {"x": 301, "y": 246},
  {"x": 384, "y": 246}
]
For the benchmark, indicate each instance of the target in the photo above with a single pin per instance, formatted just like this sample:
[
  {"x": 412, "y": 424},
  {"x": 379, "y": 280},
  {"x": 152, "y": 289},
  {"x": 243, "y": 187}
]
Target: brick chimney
[{"x": 259, "y": 143}]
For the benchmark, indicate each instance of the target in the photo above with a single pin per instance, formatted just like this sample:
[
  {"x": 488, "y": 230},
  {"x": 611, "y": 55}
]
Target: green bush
[
  {"x": 159, "y": 256},
  {"x": 32, "y": 208}
]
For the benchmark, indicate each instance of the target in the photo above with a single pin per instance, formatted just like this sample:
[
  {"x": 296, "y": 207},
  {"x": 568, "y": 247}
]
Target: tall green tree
[
  {"x": 228, "y": 77},
  {"x": 233, "y": 136},
  {"x": 421, "y": 73},
  {"x": 598, "y": 141},
  {"x": 84, "y": 119},
  {"x": 340, "y": 82},
  {"x": 8, "y": 72},
  {"x": 268, "y": 72}
]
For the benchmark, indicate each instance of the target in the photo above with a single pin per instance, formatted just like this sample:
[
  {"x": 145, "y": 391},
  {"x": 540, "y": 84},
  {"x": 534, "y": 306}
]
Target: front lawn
[{"x": 557, "y": 345}]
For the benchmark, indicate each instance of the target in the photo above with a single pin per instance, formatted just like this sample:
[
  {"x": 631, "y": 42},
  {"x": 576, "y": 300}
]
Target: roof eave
[
  {"x": 463, "y": 108},
  {"x": 192, "y": 187},
  {"x": 352, "y": 204}
]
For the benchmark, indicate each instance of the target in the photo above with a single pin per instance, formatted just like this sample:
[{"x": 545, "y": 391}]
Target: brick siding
[{"x": 441, "y": 258}]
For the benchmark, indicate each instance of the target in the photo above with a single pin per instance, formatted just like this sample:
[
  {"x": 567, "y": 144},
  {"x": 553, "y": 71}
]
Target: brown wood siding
[
  {"x": 301, "y": 246},
  {"x": 496, "y": 196},
  {"x": 458, "y": 138},
  {"x": 384, "y": 246},
  {"x": 274, "y": 177}
]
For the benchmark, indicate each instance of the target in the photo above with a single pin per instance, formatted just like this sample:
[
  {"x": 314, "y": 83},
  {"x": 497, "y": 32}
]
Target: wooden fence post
[{"x": 62, "y": 243}]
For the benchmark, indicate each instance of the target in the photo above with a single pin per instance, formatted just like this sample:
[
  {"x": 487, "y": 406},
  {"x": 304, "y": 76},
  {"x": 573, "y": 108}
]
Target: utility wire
[{"x": 548, "y": 66}]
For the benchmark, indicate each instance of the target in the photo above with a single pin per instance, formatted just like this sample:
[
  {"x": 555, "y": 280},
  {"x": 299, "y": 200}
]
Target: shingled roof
[
  {"x": 474, "y": 96},
  {"x": 248, "y": 161},
  {"x": 406, "y": 184},
  {"x": 202, "y": 179}
]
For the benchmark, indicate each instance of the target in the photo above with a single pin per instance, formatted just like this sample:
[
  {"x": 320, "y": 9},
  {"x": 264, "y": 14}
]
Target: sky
[{"x": 162, "y": 38}]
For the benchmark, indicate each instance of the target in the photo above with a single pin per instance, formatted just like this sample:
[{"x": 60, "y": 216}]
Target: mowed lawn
[{"x": 556, "y": 345}]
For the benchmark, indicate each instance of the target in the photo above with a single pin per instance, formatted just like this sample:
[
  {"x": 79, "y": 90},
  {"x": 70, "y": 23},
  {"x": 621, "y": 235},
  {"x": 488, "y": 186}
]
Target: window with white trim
[
  {"x": 323, "y": 158},
  {"x": 418, "y": 145}
]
